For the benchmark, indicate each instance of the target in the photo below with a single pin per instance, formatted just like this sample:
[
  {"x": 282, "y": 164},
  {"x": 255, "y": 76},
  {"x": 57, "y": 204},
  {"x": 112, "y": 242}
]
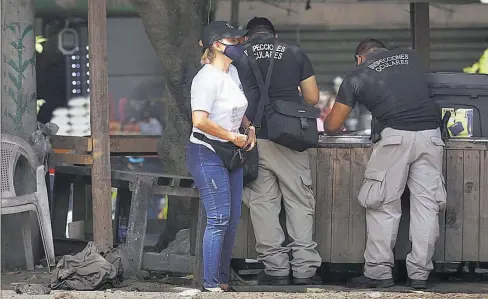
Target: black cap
[{"x": 220, "y": 29}]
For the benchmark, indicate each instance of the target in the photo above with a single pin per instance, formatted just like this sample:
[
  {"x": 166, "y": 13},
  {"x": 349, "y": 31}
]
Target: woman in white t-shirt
[{"x": 218, "y": 106}]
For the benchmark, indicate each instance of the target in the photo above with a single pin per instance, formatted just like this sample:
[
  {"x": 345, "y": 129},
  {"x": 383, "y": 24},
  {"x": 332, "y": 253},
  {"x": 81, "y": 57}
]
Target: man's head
[
  {"x": 260, "y": 25},
  {"x": 365, "y": 48}
]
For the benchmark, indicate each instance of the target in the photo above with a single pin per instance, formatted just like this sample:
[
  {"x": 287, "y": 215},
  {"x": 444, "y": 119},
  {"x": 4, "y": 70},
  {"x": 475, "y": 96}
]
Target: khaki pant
[
  {"x": 283, "y": 173},
  {"x": 399, "y": 158}
]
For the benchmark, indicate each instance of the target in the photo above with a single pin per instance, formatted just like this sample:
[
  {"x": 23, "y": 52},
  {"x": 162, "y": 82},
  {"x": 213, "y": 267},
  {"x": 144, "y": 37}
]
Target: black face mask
[{"x": 234, "y": 52}]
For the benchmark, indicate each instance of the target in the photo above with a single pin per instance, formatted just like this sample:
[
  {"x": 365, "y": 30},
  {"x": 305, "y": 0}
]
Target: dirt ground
[{"x": 180, "y": 288}]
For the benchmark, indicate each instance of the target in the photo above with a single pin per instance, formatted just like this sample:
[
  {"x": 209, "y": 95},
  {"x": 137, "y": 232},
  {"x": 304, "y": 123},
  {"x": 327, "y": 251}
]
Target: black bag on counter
[
  {"x": 231, "y": 155},
  {"x": 290, "y": 124}
]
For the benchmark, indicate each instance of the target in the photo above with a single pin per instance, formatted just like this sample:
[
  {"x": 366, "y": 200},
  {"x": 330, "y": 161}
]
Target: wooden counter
[{"x": 340, "y": 230}]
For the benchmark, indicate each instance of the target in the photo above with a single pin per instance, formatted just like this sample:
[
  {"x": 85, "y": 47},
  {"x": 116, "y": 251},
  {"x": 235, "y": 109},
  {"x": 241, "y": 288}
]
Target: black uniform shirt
[
  {"x": 291, "y": 66},
  {"x": 393, "y": 86}
]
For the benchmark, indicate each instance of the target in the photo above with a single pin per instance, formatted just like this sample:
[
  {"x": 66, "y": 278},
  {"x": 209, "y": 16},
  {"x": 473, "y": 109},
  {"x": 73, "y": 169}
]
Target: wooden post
[
  {"x": 99, "y": 118},
  {"x": 234, "y": 12},
  {"x": 419, "y": 24}
]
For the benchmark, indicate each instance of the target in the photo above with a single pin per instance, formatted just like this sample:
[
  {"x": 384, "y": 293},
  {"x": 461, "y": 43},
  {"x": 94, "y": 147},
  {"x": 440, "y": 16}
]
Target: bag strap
[
  {"x": 212, "y": 142},
  {"x": 263, "y": 85},
  {"x": 203, "y": 138}
]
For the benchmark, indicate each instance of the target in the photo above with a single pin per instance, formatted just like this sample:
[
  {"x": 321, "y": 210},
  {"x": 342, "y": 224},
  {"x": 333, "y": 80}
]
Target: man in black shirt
[
  {"x": 282, "y": 172},
  {"x": 407, "y": 150}
]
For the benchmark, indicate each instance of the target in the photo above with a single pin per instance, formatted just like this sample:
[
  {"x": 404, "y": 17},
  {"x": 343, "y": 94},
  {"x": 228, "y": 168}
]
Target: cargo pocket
[
  {"x": 308, "y": 190},
  {"x": 437, "y": 141},
  {"x": 372, "y": 193},
  {"x": 441, "y": 194}
]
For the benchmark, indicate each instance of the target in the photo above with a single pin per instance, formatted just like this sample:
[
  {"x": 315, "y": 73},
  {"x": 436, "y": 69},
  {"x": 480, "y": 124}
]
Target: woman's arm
[{"x": 203, "y": 123}]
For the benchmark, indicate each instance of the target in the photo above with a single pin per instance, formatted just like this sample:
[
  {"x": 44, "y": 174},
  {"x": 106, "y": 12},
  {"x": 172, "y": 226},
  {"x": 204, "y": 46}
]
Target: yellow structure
[{"x": 480, "y": 67}]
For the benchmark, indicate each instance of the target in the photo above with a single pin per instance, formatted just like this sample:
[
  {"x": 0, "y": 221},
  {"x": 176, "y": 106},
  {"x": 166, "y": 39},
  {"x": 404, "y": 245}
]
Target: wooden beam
[
  {"x": 419, "y": 24},
  {"x": 99, "y": 118},
  {"x": 78, "y": 144}
]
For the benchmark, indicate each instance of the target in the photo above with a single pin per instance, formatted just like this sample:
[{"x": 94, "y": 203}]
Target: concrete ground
[{"x": 169, "y": 288}]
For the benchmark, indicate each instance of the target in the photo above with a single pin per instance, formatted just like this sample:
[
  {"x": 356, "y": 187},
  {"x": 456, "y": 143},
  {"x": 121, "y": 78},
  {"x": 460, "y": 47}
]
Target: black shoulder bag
[
  {"x": 290, "y": 124},
  {"x": 231, "y": 155}
]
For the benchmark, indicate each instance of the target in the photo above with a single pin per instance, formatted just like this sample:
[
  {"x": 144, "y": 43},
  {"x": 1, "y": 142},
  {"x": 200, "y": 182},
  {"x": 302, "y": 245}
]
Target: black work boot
[
  {"x": 265, "y": 279},
  {"x": 314, "y": 280},
  {"x": 417, "y": 284},
  {"x": 363, "y": 282}
]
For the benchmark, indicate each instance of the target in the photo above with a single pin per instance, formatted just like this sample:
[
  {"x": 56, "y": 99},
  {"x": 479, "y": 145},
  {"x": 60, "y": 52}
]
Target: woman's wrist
[{"x": 232, "y": 137}]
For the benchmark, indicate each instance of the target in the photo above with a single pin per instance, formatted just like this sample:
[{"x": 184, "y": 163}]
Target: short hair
[
  {"x": 260, "y": 24},
  {"x": 367, "y": 45}
]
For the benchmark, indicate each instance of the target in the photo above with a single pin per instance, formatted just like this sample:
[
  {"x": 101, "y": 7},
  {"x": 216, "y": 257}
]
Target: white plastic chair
[{"x": 13, "y": 150}]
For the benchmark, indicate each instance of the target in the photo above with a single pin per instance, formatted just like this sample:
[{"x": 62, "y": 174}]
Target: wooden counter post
[{"x": 99, "y": 118}]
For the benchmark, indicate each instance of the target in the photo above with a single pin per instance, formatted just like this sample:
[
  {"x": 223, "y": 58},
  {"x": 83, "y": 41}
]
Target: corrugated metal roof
[{"x": 332, "y": 51}]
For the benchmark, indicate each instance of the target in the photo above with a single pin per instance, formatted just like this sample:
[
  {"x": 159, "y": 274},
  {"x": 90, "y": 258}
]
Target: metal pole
[
  {"x": 234, "y": 13},
  {"x": 99, "y": 118},
  {"x": 419, "y": 24}
]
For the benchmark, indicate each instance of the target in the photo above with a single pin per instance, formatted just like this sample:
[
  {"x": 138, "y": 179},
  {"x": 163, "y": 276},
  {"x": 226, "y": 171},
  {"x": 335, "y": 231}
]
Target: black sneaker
[
  {"x": 417, "y": 284},
  {"x": 314, "y": 280},
  {"x": 229, "y": 289},
  {"x": 265, "y": 279},
  {"x": 363, "y": 282}
]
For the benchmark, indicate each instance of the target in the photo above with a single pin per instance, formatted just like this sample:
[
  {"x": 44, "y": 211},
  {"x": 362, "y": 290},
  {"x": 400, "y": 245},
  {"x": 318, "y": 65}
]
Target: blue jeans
[{"x": 221, "y": 194}]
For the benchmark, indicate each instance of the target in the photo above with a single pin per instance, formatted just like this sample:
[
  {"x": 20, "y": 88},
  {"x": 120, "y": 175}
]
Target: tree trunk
[
  {"x": 174, "y": 28},
  {"x": 19, "y": 68},
  {"x": 18, "y": 108}
]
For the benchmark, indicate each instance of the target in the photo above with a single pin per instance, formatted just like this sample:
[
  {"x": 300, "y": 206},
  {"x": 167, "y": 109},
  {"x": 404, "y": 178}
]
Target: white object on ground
[{"x": 190, "y": 293}]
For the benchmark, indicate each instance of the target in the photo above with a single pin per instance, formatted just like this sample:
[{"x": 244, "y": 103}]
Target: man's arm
[
  {"x": 335, "y": 120},
  {"x": 346, "y": 100},
  {"x": 310, "y": 90},
  {"x": 308, "y": 83}
]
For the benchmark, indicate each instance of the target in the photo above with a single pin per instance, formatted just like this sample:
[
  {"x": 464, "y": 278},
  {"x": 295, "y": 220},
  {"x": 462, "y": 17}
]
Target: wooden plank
[
  {"x": 471, "y": 213},
  {"x": 78, "y": 144},
  {"x": 123, "y": 144},
  {"x": 341, "y": 196},
  {"x": 483, "y": 250},
  {"x": 440, "y": 245},
  {"x": 455, "y": 207},
  {"x": 357, "y": 218},
  {"x": 323, "y": 208},
  {"x": 99, "y": 119},
  {"x": 59, "y": 158},
  {"x": 176, "y": 191},
  {"x": 240, "y": 245},
  {"x": 136, "y": 231},
  {"x": 472, "y": 144}
]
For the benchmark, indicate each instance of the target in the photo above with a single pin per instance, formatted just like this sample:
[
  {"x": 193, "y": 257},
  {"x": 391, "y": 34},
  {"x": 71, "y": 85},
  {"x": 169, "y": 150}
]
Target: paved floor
[
  {"x": 322, "y": 295},
  {"x": 180, "y": 289}
]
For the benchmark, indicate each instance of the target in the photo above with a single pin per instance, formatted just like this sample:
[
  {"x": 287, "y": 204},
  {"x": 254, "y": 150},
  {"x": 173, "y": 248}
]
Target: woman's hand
[
  {"x": 251, "y": 138},
  {"x": 239, "y": 139}
]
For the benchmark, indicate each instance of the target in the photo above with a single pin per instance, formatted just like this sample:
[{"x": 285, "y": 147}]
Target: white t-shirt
[{"x": 220, "y": 94}]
